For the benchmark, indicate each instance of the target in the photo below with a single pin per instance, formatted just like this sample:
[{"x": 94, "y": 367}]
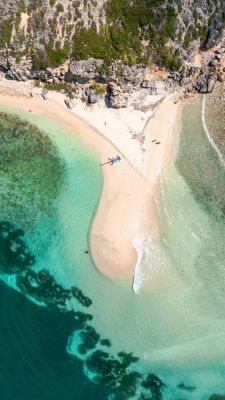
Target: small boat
[
  {"x": 112, "y": 160},
  {"x": 115, "y": 160}
]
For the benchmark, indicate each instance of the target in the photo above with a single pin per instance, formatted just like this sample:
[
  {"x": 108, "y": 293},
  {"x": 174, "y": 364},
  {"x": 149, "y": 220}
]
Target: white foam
[
  {"x": 218, "y": 152},
  {"x": 149, "y": 262}
]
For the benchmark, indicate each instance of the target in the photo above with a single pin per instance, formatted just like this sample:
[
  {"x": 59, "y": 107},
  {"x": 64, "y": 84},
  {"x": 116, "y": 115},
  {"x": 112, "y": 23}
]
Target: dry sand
[
  {"x": 132, "y": 187},
  {"x": 128, "y": 205}
]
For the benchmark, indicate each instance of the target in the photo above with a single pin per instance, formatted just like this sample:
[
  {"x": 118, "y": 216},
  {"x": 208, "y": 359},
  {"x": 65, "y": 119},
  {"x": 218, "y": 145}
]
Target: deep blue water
[{"x": 34, "y": 364}]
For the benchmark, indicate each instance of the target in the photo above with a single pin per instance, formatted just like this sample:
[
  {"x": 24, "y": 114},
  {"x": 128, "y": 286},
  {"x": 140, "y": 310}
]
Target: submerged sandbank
[{"x": 127, "y": 207}]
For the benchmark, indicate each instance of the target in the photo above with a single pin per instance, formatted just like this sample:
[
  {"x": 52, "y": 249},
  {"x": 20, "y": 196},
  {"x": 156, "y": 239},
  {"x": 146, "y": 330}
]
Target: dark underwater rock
[
  {"x": 129, "y": 383},
  {"x": 127, "y": 358},
  {"x": 90, "y": 338},
  {"x": 81, "y": 319},
  {"x": 182, "y": 386},
  {"x": 14, "y": 254},
  {"x": 113, "y": 372},
  {"x": 107, "y": 369},
  {"x": 217, "y": 397},
  {"x": 155, "y": 384},
  {"x": 105, "y": 342},
  {"x": 43, "y": 287},
  {"x": 78, "y": 294}
]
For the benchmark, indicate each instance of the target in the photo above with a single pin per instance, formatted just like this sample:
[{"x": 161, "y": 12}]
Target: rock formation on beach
[{"x": 113, "y": 48}]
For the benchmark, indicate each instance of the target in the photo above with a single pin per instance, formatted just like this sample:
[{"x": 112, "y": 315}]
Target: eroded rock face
[
  {"x": 122, "y": 80},
  {"x": 83, "y": 71},
  {"x": 116, "y": 97},
  {"x": 19, "y": 71},
  {"x": 214, "y": 33},
  {"x": 118, "y": 101},
  {"x": 82, "y": 74},
  {"x": 92, "y": 98},
  {"x": 134, "y": 74},
  {"x": 154, "y": 86}
]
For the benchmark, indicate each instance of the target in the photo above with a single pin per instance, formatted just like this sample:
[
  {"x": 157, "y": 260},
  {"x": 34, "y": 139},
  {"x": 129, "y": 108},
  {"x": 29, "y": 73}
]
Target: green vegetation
[
  {"x": 51, "y": 57},
  {"x": 98, "y": 88},
  {"x": 23, "y": 8},
  {"x": 59, "y": 8},
  {"x": 17, "y": 21},
  {"x": 18, "y": 58},
  {"x": 130, "y": 24},
  {"x": 89, "y": 43},
  {"x": 5, "y": 33},
  {"x": 135, "y": 31},
  {"x": 169, "y": 58},
  {"x": 76, "y": 4},
  {"x": 223, "y": 17},
  {"x": 203, "y": 32},
  {"x": 66, "y": 87}
]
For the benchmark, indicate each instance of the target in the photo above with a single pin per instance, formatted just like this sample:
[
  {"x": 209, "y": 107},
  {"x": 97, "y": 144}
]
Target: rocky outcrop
[
  {"x": 154, "y": 86},
  {"x": 19, "y": 71},
  {"x": 116, "y": 97},
  {"x": 70, "y": 103},
  {"x": 134, "y": 74},
  {"x": 214, "y": 33},
  {"x": 121, "y": 81},
  {"x": 92, "y": 98},
  {"x": 211, "y": 84},
  {"x": 84, "y": 71}
]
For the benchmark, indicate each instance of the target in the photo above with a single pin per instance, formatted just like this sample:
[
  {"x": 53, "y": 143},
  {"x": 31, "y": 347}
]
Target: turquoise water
[{"x": 176, "y": 329}]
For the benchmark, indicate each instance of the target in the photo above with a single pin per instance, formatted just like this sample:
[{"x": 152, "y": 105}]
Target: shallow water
[{"x": 176, "y": 324}]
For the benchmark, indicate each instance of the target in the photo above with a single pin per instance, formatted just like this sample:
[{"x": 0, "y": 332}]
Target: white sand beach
[{"x": 131, "y": 188}]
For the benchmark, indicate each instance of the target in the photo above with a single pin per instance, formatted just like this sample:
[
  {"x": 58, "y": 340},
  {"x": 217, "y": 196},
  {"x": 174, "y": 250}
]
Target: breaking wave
[
  {"x": 218, "y": 152},
  {"x": 149, "y": 262}
]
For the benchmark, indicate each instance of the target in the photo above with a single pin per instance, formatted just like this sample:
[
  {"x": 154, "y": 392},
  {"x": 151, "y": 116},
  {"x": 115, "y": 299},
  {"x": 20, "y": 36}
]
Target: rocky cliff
[{"x": 114, "y": 47}]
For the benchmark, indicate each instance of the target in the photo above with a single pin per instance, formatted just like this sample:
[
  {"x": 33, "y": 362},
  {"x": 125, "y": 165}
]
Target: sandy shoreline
[{"x": 131, "y": 188}]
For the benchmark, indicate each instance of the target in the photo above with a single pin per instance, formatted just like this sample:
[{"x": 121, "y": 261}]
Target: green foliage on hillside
[
  {"x": 59, "y": 8},
  {"x": 60, "y": 86},
  {"x": 136, "y": 31},
  {"x": 22, "y": 7},
  {"x": 50, "y": 57},
  {"x": 5, "y": 33},
  {"x": 89, "y": 43},
  {"x": 17, "y": 21}
]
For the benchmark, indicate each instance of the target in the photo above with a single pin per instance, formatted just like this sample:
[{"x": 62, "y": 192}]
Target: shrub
[
  {"x": 98, "y": 88},
  {"x": 22, "y": 7},
  {"x": 17, "y": 21},
  {"x": 50, "y": 57},
  {"x": 5, "y": 32},
  {"x": 169, "y": 58},
  {"x": 59, "y": 8},
  {"x": 128, "y": 23}
]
